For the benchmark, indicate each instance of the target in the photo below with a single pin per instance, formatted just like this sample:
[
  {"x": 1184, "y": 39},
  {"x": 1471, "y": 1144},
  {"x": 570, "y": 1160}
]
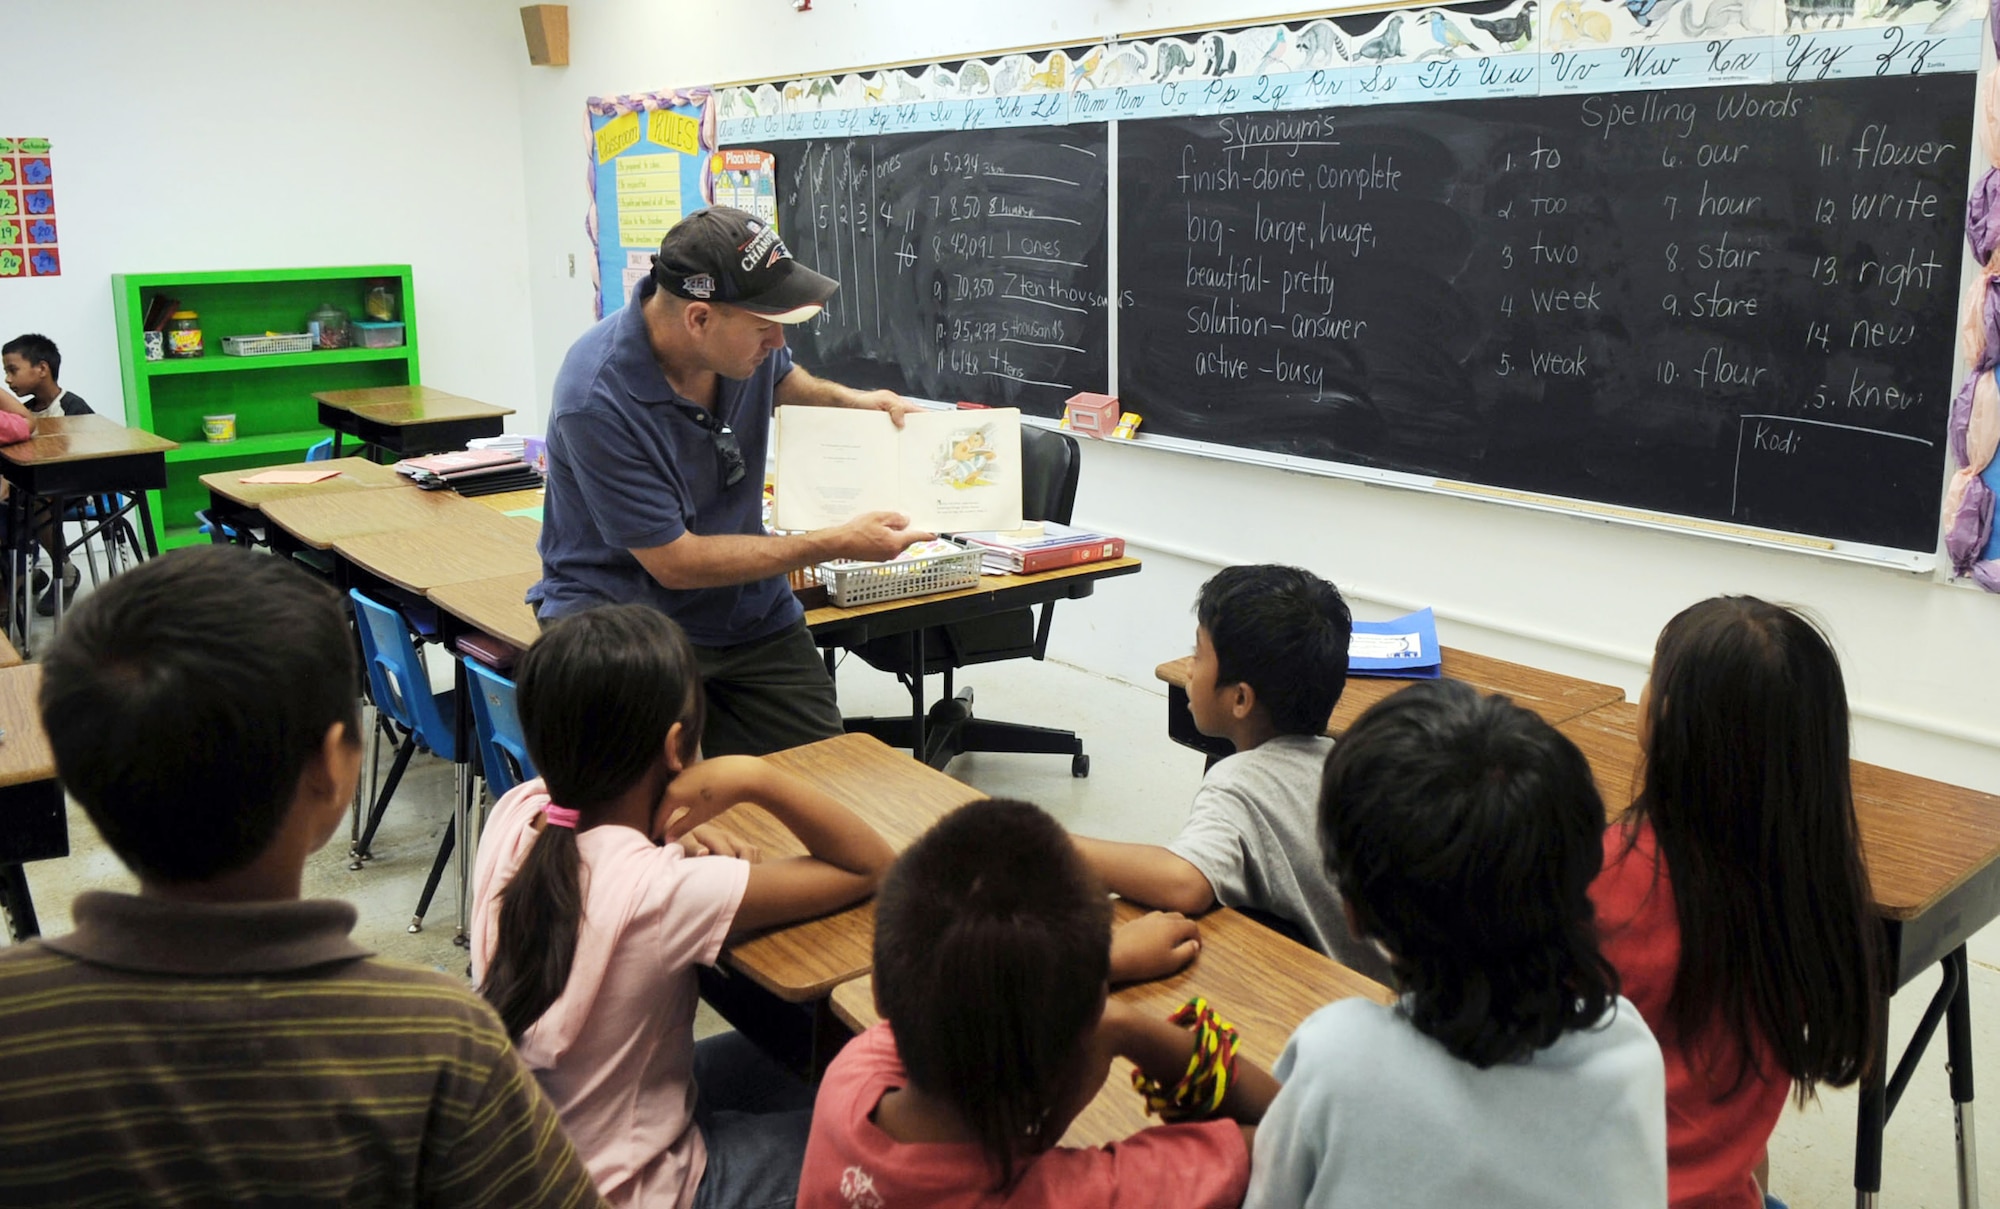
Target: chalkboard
[
  {"x": 1727, "y": 303},
  {"x": 972, "y": 264}
]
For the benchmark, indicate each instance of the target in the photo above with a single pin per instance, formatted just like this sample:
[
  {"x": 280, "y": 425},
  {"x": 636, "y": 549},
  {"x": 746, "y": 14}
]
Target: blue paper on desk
[{"x": 1404, "y": 649}]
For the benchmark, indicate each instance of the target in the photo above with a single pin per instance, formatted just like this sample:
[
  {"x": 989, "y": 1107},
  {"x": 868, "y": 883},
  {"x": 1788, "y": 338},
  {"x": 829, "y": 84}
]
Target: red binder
[{"x": 1097, "y": 550}]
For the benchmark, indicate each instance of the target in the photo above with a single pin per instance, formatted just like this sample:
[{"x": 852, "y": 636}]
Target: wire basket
[
  {"x": 265, "y": 346},
  {"x": 852, "y": 583}
]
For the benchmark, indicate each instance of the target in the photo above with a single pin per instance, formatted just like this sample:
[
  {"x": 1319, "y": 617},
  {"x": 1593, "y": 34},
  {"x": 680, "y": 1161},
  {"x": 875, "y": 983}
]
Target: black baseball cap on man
[{"x": 725, "y": 255}]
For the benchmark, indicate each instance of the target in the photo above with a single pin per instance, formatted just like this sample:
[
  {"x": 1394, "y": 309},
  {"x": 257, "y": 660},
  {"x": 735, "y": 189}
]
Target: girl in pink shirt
[
  {"x": 991, "y": 965},
  {"x": 587, "y": 928}
]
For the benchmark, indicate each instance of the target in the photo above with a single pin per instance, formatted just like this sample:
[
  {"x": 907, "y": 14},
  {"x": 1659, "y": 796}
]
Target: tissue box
[
  {"x": 1093, "y": 415},
  {"x": 535, "y": 452}
]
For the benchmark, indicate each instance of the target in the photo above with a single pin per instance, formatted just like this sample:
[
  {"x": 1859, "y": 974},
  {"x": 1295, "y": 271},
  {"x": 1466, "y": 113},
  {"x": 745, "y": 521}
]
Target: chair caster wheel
[
  {"x": 416, "y": 924},
  {"x": 1079, "y": 766}
]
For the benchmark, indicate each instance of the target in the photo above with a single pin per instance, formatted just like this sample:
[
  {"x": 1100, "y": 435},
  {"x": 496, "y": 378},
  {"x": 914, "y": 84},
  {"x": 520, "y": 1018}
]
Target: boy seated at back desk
[
  {"x": 32, "y": 364},
  {"x": 214, "y": 1038},
  {"x": 1270, "y": 661}
]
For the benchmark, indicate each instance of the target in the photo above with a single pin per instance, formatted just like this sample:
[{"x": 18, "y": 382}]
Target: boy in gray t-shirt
[
  {"x": 1270, "y": 661},
  {"x": 1464, "y": 833}
]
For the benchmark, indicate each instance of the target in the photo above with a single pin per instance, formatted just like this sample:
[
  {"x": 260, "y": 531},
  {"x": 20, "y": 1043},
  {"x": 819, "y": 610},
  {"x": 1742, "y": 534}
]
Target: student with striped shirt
[{"x": 214, "y": 1038}]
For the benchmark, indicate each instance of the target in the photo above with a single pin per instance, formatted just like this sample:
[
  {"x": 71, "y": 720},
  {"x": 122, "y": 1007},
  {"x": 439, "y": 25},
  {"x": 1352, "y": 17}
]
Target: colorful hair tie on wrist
[
  {"x": 561, "y": 816},
  {"x": 1205, "y": 1084}
]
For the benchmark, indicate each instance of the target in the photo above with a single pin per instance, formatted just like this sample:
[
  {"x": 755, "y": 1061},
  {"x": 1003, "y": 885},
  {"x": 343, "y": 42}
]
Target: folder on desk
[
  {"x": 472, "y": 472},
  {"x": 1405, "y": 648},
  {"x": 443, "y": 465}
]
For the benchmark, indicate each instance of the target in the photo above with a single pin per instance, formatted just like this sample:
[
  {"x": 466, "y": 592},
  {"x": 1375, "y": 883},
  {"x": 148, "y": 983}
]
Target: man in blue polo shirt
[{"x": 657, "y": 442}]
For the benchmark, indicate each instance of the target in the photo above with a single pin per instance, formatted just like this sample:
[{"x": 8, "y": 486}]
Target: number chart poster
[
  {"x": 649, "y": 168},
  {"x": 28, "y": 244}
]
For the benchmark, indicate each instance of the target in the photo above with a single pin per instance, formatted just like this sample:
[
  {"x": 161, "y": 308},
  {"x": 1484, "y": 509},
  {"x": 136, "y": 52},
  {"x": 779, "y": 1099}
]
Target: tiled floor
[{"x": 1138, "y": 790}]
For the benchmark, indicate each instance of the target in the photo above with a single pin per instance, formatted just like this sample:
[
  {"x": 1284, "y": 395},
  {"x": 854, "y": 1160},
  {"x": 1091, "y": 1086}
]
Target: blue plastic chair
[
  {"x": 110, "y": 515},
  {"x": 401, "y": 689},
  {"x": 503, "y": 749},
  {"x": 321, "y": 451},
  {"x": 222, "y": 534}
]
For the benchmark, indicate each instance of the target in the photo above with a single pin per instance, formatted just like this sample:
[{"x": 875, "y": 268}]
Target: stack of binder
[
  {"x": 1043, "y": 547},
  {"x": 471, "y": 472}
]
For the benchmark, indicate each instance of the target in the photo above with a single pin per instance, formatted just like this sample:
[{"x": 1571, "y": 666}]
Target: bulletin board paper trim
[{"x": 643, "y": 106}]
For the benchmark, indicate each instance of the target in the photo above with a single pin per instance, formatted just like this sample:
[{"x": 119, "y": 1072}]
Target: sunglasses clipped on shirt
[{"x": 728, "y": 453}]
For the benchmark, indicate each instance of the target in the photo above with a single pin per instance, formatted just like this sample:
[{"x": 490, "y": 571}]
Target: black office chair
[{"x": 1050, "y": 465}]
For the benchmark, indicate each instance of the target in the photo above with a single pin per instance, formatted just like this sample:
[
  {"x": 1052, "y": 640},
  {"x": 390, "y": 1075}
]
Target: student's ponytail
[
  {"x": 540, "y": 912},
  {"x": 598, "y": 696}
]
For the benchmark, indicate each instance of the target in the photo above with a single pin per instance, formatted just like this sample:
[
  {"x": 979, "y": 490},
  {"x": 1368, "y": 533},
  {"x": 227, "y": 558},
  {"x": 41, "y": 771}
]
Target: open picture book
[{"x": 948, "y": 471}]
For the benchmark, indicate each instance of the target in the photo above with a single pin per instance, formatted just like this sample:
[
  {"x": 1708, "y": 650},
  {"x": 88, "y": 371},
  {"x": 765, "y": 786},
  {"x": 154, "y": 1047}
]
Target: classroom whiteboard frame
[{"x": 1933, "y": 563}]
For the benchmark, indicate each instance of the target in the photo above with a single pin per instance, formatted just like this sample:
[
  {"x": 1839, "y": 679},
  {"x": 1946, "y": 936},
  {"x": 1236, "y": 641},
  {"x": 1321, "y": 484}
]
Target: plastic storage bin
[
  {"x": 377, "y": 335},
  {"x": 266, "y": 345},
  {"x": 852, "y": 583}
]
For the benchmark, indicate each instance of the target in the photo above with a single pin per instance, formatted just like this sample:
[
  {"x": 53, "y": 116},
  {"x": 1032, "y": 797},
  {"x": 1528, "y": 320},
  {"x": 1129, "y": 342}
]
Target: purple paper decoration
[
  {"x": 1982, "y": 216},
  {"x": 1971, "y": 526},
  {"x": 1979, "y": 331},
  {"x": 1974, "y": 428},
  {"x": 1961, "y": 416},
  {"x": 1974, "y": 432}
]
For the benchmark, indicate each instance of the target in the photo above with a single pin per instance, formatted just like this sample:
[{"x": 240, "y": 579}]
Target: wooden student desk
[
  {"x": 1259, "y": 981},
  {"x": 407, "y": 421},
  {"x": 496, "y": 606},
  {"x": 467, "y": 548},
  {"x": 240, "y": 504},
  {"x": 68, "y": 458},
  {"x": 1933, "y": 857},
  {"x": 33, "y": 824},
  {"x": 512, "y": 501},
  {"x": 318, "y": 521},
  {"x": 898, "y": 797},
  {"x": 1555, "y": 697},
  {"x": 227, "y": 489}
]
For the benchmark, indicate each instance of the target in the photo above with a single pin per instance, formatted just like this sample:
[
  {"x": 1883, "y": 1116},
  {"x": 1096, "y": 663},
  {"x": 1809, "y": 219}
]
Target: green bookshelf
[{"x": 271, "y": 397}]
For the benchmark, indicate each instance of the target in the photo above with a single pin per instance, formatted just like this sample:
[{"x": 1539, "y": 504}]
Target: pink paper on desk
[{"x": 290, "y": 476}]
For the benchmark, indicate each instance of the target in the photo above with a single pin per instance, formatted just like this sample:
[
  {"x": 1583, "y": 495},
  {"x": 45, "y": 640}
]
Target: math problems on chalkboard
[
  {"x": 1728, "y": 303},
  {"x": 970, "y": 269}
]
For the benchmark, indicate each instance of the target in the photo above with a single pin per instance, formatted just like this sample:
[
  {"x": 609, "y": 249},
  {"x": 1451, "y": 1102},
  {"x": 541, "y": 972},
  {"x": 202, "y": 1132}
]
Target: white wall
[
  {"x": 1580, "y": 596},
  {"x": 232, "y": 134}
]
